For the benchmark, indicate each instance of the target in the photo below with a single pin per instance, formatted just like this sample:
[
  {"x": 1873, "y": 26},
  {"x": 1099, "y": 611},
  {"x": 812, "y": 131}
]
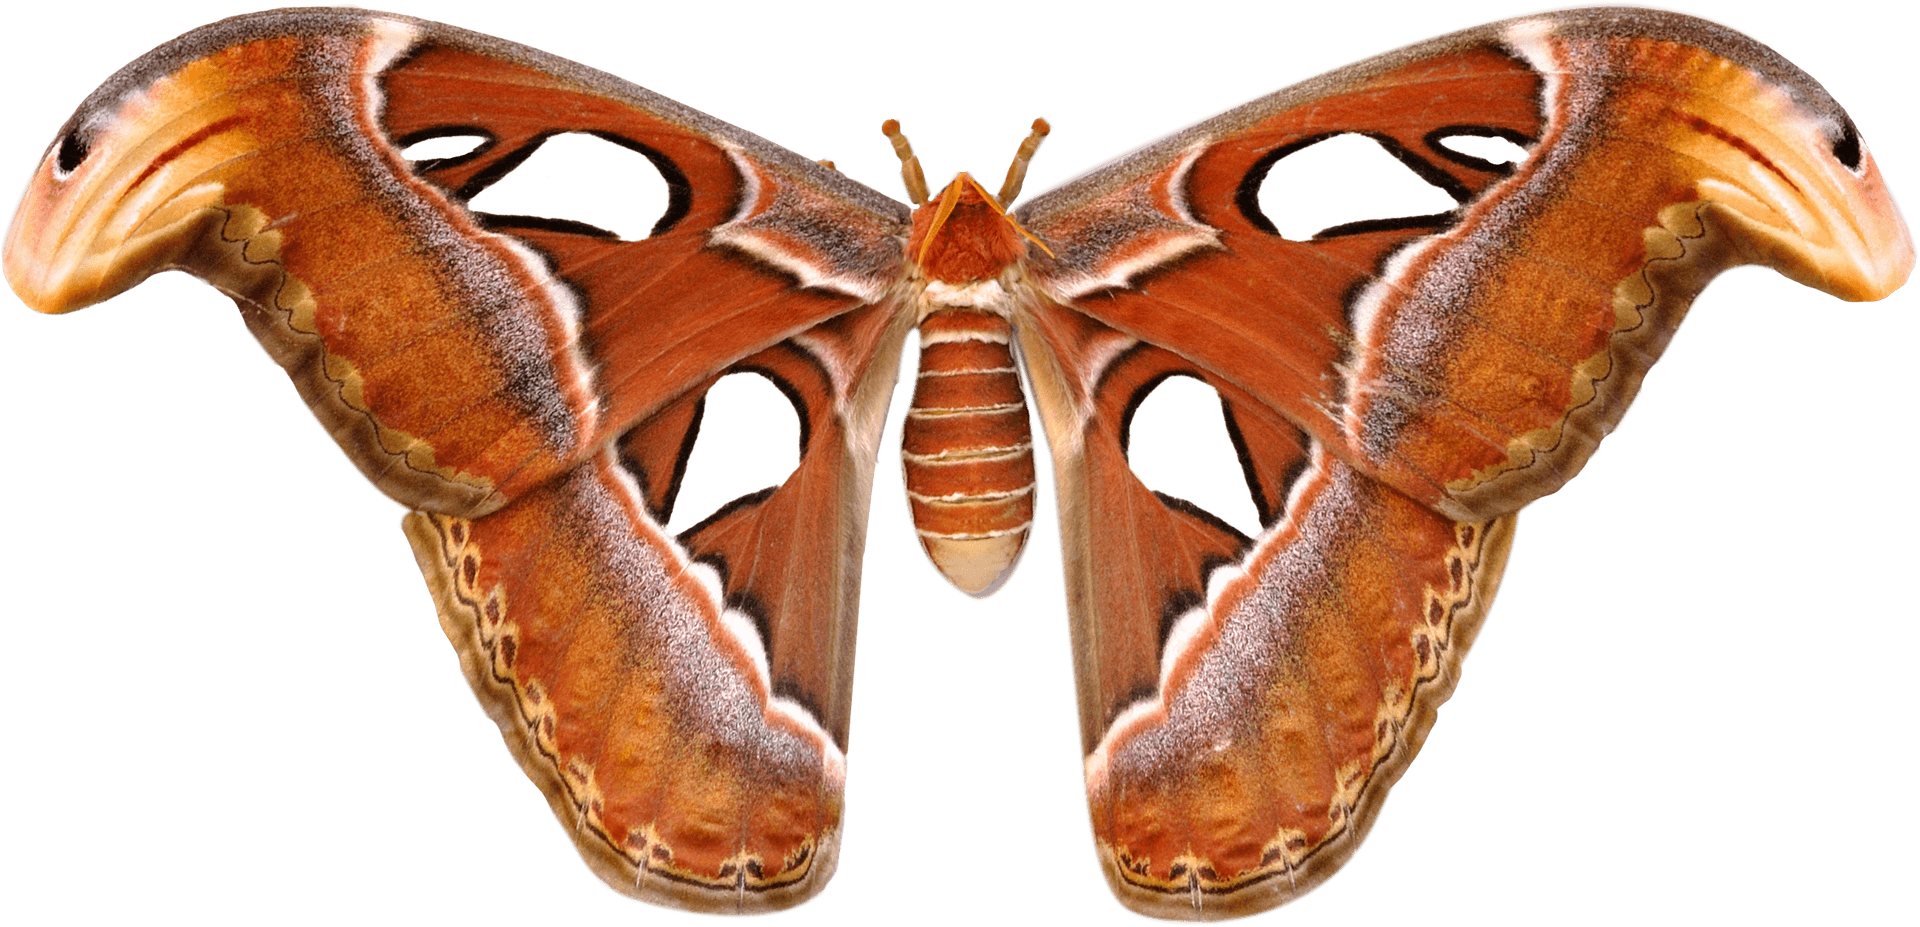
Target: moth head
[{"x": 967, "y": 234}]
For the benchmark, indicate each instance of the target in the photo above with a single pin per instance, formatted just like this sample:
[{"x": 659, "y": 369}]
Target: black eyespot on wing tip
[
  {"x": 73, "y": 153},
  {"x": 1846, "y": 149}
]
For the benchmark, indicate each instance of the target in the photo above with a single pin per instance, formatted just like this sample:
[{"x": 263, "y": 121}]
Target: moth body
[
  {"x": 968, "y": 446},
  {"x": 968, "y": 449}
]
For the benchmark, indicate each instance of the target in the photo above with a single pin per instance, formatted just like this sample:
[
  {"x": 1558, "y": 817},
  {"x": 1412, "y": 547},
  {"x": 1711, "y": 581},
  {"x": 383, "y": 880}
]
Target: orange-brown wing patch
[
  {"x": 1397, "y": 389},
  {"x": 1475, "y": 359},
  {"x": 1290, "y": 700},
  {"x": 789, "y": 557},
  {"x": 633, "y": 699},
  {"x": 459, "y": 361},
  {"x": 1245, "y": 703},
  {"x": 532, "y": 388}
]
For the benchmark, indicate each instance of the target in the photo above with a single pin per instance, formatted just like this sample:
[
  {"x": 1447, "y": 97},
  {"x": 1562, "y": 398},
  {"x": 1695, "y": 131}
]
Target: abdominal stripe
[{"x": 968, "y": 447}]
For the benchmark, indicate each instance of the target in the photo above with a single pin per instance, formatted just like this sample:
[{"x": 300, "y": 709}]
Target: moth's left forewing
[
  {"x": 267, "y": 154},
  {"x": 1397, "y": 390}
]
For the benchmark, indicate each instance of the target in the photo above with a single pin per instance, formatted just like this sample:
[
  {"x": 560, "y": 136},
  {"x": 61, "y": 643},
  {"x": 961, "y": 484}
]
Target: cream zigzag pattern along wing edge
[{"x": 283, "y": 519}]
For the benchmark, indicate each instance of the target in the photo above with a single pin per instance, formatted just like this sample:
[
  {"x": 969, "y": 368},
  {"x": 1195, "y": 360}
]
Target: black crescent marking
[
  {"x": 719, "y": 565},
  {"x": 680, "y": 459},
  {"x": 1433, "y": 142},
  {"x": 679, "y": 190},
  {"x": 491, "y": 174},
  {"x": 1291, "y": 476},
  {"x": 1177, "y": 604},
  {"x": 1213, "y": 562},
  {"x": 1140, "y": 394},
  {"x": 1240, "y": 450},
  {"x": 1439, "y": 221},
  {"x": 639, "y": 475},
  {"x": 788, "y": 390},
  {"x": 750, "y": 499},
  {"x": 1427, "y": 170},
  {"x": 1113, "y": 364},
  {"x": 1247, "y": 197},
  {"x": 1184, "y": 507},
  {"x": 1269, "y": 513},
  {"x": 663, "y": 512},
  {"x": 498, "y": 223},
  {"x": 748, "y": 604}
]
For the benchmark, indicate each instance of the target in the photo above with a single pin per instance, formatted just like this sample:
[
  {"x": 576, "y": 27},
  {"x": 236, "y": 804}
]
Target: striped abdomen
[{"x": 968, "y": 448}]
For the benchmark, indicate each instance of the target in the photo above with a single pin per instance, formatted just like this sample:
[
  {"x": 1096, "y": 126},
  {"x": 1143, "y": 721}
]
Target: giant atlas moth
[{"x": 1178, "y": 221}]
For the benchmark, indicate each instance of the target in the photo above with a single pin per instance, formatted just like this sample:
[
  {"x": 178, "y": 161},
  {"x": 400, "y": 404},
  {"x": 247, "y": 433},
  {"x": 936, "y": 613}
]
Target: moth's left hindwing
[
  {"x": 532, "y": 388},
  {"x": 1396, "y": 390}
]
